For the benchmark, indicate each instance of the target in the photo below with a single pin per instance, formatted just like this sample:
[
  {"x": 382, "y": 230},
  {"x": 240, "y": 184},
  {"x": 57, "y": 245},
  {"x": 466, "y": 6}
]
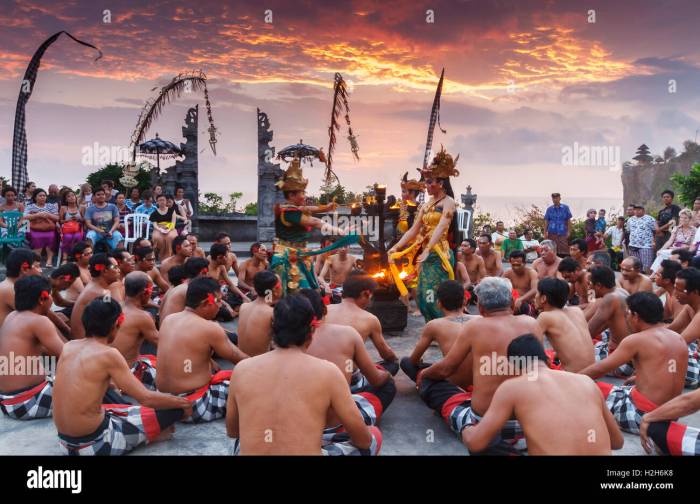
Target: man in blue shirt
[
  {"x": 102, "y": 221},
  {"x": 557, "y": 221}
]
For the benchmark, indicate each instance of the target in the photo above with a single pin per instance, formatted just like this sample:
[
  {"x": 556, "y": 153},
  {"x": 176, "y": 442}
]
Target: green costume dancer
[
  {"x": 429, "y": 236},
  {"x": 291, "y": 260}
]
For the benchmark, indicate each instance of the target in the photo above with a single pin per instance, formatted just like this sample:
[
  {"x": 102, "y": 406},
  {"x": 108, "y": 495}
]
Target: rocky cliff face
[{"x": 643, "y": 184}]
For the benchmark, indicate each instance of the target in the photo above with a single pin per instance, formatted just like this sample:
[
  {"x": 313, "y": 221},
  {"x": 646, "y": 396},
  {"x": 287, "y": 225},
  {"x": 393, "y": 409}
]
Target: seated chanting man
[
  {"x": 105, "y": 275},
  {"x": 444, "y": 331},
  {"x": 660, "y": 359},
  {"x": 185, "y": 346},
  {"x": 138, "y": 327},
  {"x": 174, "y": 300},
  {"x": 358, "y": 289},
  {"x": 266, "y": 419},
  {"x": 485, "y": 342},
  {"x": 87, "y": 366},
  {"x": 580, "y": 409},
  {"x": 255, "y": 318},
  {"x": 565, "y": 327},
  {"x": 26, "y": 334},
  {"x": 343, "y": 346}
]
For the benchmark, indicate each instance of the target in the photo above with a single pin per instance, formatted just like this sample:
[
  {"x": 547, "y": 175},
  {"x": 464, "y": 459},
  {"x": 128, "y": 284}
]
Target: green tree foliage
[
  {"x": 530, "y": 218},
  {"x": 251, "y": 208},
  {"x": 213, "y": 204},
  {"x": 687, "y": 186},
  {"x": 113, "y": 172}
]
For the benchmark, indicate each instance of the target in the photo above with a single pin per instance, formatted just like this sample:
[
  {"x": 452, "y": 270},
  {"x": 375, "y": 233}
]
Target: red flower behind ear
[
  {"x": 467, "y": 296},
  {"x": 326, "y": 300},
  {"x": 314, "y": 322},
  {"x": 148, "y": 290},
  {"x": 120, "y": 319},
  {"x": 67, "y": 278},
  {"x": 44, "y": 295},
  {"x": 99, "y": 267},
  {"x": 204, "y": 271},
  {"x": 25, "y": 265},
  {"x": 211, "y": 299}
]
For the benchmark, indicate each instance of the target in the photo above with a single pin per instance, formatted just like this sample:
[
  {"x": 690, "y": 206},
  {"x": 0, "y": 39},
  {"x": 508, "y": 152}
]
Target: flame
[
  {"x": 380, "y": 274},
  {"x": 395, "y": 206},
  {"x": 411, "y": 203},
  {"x": 402, "y": 274}
]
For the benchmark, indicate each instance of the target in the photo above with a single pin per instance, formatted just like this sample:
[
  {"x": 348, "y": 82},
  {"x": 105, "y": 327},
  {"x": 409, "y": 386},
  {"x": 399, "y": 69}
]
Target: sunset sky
[{"x": 524, "y": 79}]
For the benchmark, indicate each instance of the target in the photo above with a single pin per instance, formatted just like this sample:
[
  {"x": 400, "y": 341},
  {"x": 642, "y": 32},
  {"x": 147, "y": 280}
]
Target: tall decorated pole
[
  {"x": 434, "y": 119},
  {"x": 19, "y": 138},
  {"x": 340, "y": 103}
]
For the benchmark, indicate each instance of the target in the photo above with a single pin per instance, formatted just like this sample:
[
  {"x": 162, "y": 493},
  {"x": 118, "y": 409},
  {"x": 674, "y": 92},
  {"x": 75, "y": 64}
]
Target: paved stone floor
[{"x": 409, "y": 427}]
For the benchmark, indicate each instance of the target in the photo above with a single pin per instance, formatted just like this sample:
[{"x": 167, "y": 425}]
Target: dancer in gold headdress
[
  {"x": 291, "y": 259},
  {"x": 408, "y": 208},
  {"x": 429, "y": 235}
]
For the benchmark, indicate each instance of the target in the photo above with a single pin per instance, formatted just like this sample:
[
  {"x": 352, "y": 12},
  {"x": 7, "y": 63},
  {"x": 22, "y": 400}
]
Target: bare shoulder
[{"x": 508, "y": 274}]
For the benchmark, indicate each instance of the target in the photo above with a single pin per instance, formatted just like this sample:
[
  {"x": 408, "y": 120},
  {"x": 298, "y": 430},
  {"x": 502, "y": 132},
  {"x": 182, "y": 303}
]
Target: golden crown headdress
[
  {"x": 293, "y": 179},
  {"x": 442, "y": 165},
  {"x": 411, "y": 184}
]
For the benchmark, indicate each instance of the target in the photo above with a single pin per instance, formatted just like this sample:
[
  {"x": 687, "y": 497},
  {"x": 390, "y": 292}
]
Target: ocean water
[{"x": 506, "y": 208}]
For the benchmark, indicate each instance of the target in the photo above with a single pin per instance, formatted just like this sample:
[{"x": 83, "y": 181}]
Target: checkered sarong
[
  {"x": 673, "y": 438},
  {"x": 602, "y": 351},
  {"x": 692, "y": 376},
  {"x": 29, "y": 404},
  {"x": 124, "y": 428},
  {"x": 359, "y": 382},
  {"x": 144, "y": 369},
  {"x": 645, "y": 255},
  {"x": 626, "y": 404},
  {"x": 209, "y": 402}
]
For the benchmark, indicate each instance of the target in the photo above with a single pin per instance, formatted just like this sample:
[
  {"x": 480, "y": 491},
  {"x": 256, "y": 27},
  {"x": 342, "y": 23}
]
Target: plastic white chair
[
  {"x": 134, "y": 222},
  {"x": 463, "y": 217}
]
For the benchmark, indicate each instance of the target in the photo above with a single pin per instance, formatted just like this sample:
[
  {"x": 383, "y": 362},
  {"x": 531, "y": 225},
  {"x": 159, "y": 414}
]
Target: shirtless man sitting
[
  {"x": 476, "y": 268},
  {"x": 675, "y": 313},
  {"x": 570, "y": 270},
  {"x": 337, "y": 266},
  {"x": 138, "y": 327},
  {"x": 687, "y": 291},
  {"x": 547, "y": 265},
  {"x": 182, "y": 250},
  {"x": 105, "y": 273},
  {"x": 483, "y": 341},
  {"x": 21, "y": 263},
  {"x": 62, "y": 278},
  {"x": 579, "y": 251},
  {"x": 85, "y": 371},
  {"x": 257, "y": 262},
  {"x": 145, "y": 260},
  {"x": 27, "y": 334},
  {"x": 255, "y": 319},
  {"x": 185, "y": 346},
  {"x": 491, "y": 257},
  {"x": 231, "y": 259},
  {"x": 461, "y": 274},
  {"x": 632, "y": 279},
  {"x": 609, "y": 320},
  {"x": 580, "y": 409},
  {"x": 81, "y": 254},
  {"x": 357, "y": 294},
  {"x": 660, "y": 359},
  {"x": 564, "y": 326},
  {"x": 343, "y": 346},
  {"x": 444, "y": 331},
  {"x": 174, "y": 299},
  {"x": 218, "y": 270},
  {"x": 197, "y": 251},
  {"x": 524, "y": 280},
  {"x": 258, "y": 407}
]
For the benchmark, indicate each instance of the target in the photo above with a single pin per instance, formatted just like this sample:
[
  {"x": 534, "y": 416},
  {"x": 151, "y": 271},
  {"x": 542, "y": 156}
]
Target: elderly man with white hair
[{"x": 483, "y": 343}]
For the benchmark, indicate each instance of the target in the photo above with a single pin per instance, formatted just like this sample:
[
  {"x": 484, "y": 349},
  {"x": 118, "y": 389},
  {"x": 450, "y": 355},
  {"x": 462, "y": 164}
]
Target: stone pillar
[
  {"x": 268, "y": 174},
  {"x": 187, "y": 170},
  {"x": 469, "y": 200}
]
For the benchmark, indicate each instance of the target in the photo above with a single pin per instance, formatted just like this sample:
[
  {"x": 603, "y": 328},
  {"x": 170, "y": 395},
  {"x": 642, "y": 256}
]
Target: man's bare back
[
  {"x": 7, "y": 298},
  {"x": 138, "y": 326},
  {"x": 567, "y": 331},
  {"x": 364, "y": 322},
  {"x": 610, "y": 314},
  {"x": 91, "y": 291},
  {"x": 173, "y": 301},
  {"x": 255, "y": 327}
]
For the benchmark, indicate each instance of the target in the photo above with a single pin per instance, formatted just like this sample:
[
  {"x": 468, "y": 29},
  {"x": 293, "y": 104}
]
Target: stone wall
[{"x": 242, "y": 228}]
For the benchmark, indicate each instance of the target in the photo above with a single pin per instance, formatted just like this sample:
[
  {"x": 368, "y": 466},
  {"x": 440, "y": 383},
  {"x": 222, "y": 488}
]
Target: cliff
[{"x": 644, "y": 183}]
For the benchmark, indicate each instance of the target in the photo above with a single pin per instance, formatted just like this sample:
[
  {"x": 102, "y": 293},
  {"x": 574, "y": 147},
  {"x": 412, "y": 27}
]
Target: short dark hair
[
  {"x": 176, "y": 275},
  {"x": 291, "y": 321},
  {"x": 254, "y": 247},
  {"x": 147, "y": 194},
  {"x": 528, "y": 346},
  {"x": 28, "y": 291},
  {"x": 669, "y": 192},
  {"x": 36, "y": 193},
  {"x": 194, "y": 266},
  {"x": 177, "y": 241},
  {"x": 264, "y": 281},
  {"x": 78, "y": 249},
  {"x": 140, "y": 253},
  {"x": 198, "y": 290},
  {"x": 96, "y": 259},
  {"x": 602, "y": 275},
  {"x": 316, "y": 302},
  {"x": 556, "y": 290},
  {"x": 356, "y": 283},
  {"x": 647, "y": 305},
  {"x": 118, "y": 254},
  {"x": 99, "y": 316},
  {"x": 581, "y": 244},
  {"x": 684, "y": 255},
  {"x": 568, "y": 265},
  {"x": 217, "y": 250},
  {"x": 68, "y": 268},
  {"x": 450, "y": 293},
  {"x": 17, "y": 258},
  {"x": 98, "y": 189},
  {"x": 556, "y": 195},
  {"x": 471, "y": 242},
  {"x": 669, "y": 269},
  {"x": 161, "y": 195},
  {"x": 487, "y": 236},
  {"x": 602, "y": 257},
  {"x": 108, "y": 182},
  {"x": 222, "y": 235},
  {"x": 135, "y": 284},
  {"x": 517, "y": 254},
  {"x": 8, "y": 189},
  {"x": 636, "y": 262},
  {"x": 691, "y": 276}
]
